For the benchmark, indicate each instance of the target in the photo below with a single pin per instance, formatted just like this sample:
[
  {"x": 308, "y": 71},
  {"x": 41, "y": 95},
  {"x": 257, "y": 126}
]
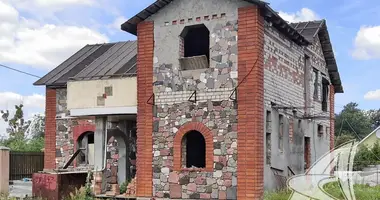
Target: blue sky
[{"x": 37, "y": 35}]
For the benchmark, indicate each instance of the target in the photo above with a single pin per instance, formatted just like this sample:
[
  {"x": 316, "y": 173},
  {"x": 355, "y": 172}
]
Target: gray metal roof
[
  {"x": 98, "y": 61},
  {"x": 269, "y": 14},
  {"x": 310, "y": 30}
]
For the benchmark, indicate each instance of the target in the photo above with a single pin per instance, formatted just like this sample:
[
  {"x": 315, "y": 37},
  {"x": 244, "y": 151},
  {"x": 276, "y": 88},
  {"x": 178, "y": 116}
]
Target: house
[{"x": 228, "y": 100}]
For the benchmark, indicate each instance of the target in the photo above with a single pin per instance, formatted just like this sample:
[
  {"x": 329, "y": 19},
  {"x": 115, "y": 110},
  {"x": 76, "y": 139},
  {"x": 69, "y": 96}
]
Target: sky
[{"x": 37, "y": 35}]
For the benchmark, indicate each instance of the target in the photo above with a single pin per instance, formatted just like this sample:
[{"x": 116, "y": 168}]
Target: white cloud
[
  {"x": 115, "y": 26},
  {"x": 9, "y": 99},
  {"x": 49, "y": 6},
  {"x": 305, "y": 14},
  {"x": 33, "y": 104},
  {"x": 367, "y": 43},
  {"x": 372, "y": 95},
  {"x": 26, "y": 41}
]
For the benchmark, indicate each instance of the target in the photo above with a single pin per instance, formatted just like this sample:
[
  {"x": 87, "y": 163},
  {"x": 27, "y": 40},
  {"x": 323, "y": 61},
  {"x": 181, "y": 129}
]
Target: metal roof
[
  {"x": 269, "y": 14},
  {"x": 98, "y": 61},
  {"x": 310, "y": 30}
]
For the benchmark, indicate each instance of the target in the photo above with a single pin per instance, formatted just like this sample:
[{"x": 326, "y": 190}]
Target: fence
[{"x": 24, "y": 164}]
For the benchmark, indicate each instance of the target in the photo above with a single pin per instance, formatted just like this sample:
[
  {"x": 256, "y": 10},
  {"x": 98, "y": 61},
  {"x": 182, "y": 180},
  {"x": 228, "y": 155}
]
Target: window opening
[
  {"x": 194, "y": 150},
  {"x": 281, "y": 133},
  {"x": 195, "y": 47}
]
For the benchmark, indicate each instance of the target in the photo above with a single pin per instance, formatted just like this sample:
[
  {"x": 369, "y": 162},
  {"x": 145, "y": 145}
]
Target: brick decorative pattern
[
  {"x": 198, "y": 19},
  {"x": 332, "y": 117},
  {"x": 250, "y": 171},
  {"x": 207, "y": 134},
  {"x": 145, "y": 36},
  {"x": 50, "y": 127},
  {"x": 219, "y": 94},
  {"x": 217, "y": 121}
]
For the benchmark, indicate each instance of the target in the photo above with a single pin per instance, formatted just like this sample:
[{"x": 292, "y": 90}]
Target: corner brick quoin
[
  {"x": 250, "y": 172},
  {"x": 332, "y": 117},
  {"x": 145, "y": 49},
  {"x": 207, "y": 134},
  {"x": 50, "y": 129}
]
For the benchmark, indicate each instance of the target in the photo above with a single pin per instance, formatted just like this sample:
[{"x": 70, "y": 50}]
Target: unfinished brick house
[{"x": 228, "y": 100}]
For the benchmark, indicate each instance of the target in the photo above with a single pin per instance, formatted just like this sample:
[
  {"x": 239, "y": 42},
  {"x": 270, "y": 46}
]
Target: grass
[{"x": 361, "y": 192}]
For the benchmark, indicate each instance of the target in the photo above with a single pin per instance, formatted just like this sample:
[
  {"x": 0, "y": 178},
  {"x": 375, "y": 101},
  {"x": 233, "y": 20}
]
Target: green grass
[{"x": 361, "y": 192}]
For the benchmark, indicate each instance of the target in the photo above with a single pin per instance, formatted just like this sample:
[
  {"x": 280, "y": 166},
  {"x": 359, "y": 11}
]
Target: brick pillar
[
  {"x": 332, "y": 116},
  {"x": 250, "y": 168},
  {"x": 144, "y": 180},
  {"x": 50, "y": 129}
]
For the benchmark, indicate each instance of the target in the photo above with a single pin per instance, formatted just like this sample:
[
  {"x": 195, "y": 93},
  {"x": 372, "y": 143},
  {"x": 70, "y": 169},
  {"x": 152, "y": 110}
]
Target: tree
[
  {"x": 16, "y": 124},
  {"x": 352, "y": 119},
  {"x": 374, "y": 116},
  {"x": 19, "y": 130}
]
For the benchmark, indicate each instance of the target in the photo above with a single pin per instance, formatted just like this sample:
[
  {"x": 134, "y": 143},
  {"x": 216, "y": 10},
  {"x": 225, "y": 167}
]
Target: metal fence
[{"x": 24, "y": 164}]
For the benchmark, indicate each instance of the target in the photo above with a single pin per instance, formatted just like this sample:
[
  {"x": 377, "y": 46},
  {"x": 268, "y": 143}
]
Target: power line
[{"x": 19, "y": 71}]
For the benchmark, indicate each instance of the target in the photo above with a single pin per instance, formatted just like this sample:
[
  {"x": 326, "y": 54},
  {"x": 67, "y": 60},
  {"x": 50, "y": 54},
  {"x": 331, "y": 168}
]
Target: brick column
[
  {"x": 50, "y": 129},
  {"x": 332, "y": 116},
  {"x": 250, "y": 168},
  {"x": 144, "y": 180}
]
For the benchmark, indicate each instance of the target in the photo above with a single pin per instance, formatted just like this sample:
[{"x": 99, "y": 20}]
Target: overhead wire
[{"x": 19, "y": 71}]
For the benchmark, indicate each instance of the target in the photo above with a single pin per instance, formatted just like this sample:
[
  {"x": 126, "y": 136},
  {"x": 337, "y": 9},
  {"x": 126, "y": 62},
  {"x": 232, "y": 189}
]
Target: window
[
  {"x": 315, "y": 76},
  {"x": 194, "y": 150},
  {"x": 307, "y": 153},
  {"x": 320, "y": 130},
  {"x": 268, "y": 137},
  {"x": 195, "y": 47},
  {"x": 281, "y": 133},
  {"x": 86, "y": 144},
  {"x": 325, "y": 94}
]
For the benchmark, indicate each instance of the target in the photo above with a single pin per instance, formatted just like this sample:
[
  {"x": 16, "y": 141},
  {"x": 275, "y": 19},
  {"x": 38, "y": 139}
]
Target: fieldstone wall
[
  {"x": 218, "y": 116},
  {"x": 65, "y": 142}
]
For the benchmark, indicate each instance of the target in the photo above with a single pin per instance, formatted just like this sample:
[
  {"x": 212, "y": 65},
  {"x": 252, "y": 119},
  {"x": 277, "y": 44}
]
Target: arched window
[
  {"x": 194, "y": 150},
  {"x": 86, "y": 144}
]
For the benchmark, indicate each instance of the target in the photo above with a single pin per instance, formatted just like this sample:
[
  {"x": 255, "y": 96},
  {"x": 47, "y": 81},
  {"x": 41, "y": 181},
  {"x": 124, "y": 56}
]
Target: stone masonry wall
[
  {"x": 65, "y": 139},
  {"x": 221, "y": 118},
  {"x": 214, "y": 85}
]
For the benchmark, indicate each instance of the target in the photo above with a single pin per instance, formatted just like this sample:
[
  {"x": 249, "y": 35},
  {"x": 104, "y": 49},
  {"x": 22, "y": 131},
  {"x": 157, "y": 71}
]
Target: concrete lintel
[{"x": 103, "y": 111}]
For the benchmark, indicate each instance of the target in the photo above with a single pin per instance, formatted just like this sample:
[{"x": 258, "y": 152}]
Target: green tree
[
  {"x": 352, "y": 119},
  {"x": 374, "y": 116},
  {"x": 23, "y": 135}
]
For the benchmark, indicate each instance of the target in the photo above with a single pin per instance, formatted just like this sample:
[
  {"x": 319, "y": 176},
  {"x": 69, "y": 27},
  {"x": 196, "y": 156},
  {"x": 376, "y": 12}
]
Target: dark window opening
[
  {"x": 325, "y": 94},
  {"x": 195, "y": 151},
  {"x": 320, "y": 130},
  {"x": 281, "y": 133},
  {"x": 83, "y": 143},
  {"x": 195, "y": 49},
  {"x": 268, "y": 148},
  {"x": 315, "y": 72},
  {"x": 307, "y": 153}
]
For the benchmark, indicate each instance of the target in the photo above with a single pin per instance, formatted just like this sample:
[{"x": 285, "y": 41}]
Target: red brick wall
[
  {"x": 207, "y": 134},
  {"x": 144, "y": 180},
  {"x": 250, "y": 168},
  {"x": 332, "y": 116},
  {"x": 50, "y": 129}
]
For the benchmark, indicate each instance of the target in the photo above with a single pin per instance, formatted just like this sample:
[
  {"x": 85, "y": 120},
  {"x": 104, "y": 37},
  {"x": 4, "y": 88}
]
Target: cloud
[
  {"x": 372, "y": 95},
  {"x": 367, "y": 43},
  {"x": 305, "y": 14},
  {"x": 49, "y": 6},
  {"x": 28, "y": 42},
  {"x": 33, "y": 104},
  {"x": 9, "y": 99}
]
